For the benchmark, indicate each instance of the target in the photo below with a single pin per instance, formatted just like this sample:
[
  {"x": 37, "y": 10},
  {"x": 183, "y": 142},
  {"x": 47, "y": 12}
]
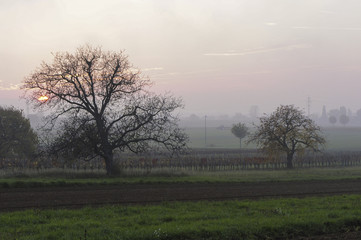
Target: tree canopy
[
  {"x": 289, "y": 131},
  {"x": 344, "y": 119},
  {"x": 103, "y": 103},
  {"x": 240, "y": 130},
  {"x": 332, "y": 120},
  {"x": 17, "y": 138}
]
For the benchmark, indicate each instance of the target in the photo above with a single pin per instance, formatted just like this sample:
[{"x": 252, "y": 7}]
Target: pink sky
[{"x": 221, "y": 57}]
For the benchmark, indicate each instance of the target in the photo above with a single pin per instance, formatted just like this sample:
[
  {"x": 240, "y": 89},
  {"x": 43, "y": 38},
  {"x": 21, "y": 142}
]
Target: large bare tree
[
  {"x": 289, "y": 131},
  {"x": 103, "y": 103}
]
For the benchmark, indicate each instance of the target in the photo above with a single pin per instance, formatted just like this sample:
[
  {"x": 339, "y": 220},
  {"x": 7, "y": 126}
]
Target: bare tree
[
  {"x": 289, "y": 131},
  {"x": 105, "y": 104},
  {"x": 240, "y": 130}
]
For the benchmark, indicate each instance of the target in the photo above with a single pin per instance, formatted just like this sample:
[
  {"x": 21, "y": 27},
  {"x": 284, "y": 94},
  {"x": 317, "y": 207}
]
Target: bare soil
[
  {"x": 54, "y": 197},
  {"x": 72, "y": 197}
]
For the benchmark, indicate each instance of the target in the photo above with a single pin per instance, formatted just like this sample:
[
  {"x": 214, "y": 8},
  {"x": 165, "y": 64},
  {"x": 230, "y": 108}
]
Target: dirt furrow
[{"x": 22, "y": 198}]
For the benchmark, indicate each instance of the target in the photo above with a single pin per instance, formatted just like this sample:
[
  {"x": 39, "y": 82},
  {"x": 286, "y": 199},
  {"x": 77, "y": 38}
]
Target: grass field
[
  {"x": 73, "y": 178},
  {"x": 338, "y": 138},
  {"x": 263, "y": 219}
]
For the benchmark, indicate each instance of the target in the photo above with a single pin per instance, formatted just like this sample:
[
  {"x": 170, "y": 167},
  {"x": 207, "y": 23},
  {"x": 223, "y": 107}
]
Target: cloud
[
  {"x": 8, "y": 87},
  {"x": 327, "y": 12},
  {"x": 13, "y": 87},
  {"x": 171, "y": 75},
  {"x": 271, "y": 24},
  {"x": 152, "y": 69},
  {"x": 328, "y": 28},
  {"x": 260, "y": 50}
]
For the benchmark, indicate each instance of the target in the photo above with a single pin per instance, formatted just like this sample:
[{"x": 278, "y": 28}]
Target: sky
[{"x": 221, "y": 57}]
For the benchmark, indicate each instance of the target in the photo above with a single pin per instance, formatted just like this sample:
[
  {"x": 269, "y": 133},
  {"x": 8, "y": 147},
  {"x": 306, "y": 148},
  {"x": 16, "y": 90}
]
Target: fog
[{"x": 222, "y": 58}]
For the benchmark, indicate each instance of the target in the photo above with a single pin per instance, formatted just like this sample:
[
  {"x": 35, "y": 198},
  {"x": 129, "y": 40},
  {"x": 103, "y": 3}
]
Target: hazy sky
[{"x": 221, "y": 57}]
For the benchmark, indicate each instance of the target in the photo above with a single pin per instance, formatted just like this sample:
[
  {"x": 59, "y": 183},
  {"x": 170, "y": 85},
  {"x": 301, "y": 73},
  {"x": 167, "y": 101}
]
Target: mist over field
[
  {"x": 222, "y": 58},
  {"x": 230, "y": 62},
  {"x": 180, "y": 119}
]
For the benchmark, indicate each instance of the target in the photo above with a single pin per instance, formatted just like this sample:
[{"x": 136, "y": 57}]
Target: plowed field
[
  {"x": 73, "y": 197},
  {"x": 69, "y": 197}
]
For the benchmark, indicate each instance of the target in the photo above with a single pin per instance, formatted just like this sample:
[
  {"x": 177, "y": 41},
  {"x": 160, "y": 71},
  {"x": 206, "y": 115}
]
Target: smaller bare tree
[
  {"x": 240, "y": 130},
  {"x": 289, "y": 131}
]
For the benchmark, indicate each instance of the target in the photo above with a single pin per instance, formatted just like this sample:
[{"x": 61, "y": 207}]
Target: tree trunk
[
  {"x": 109, "y": 166},
  {"x": 106, "y": 148},
  {"x": 240, "y": 143},
  {"x": 290, "y": 160}
]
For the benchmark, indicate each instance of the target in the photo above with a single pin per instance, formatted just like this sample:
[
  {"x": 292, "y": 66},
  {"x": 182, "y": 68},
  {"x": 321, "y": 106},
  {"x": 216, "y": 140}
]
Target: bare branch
[
  {"x": 106, "y": 104},
  {"x": 287, "y": 130}
]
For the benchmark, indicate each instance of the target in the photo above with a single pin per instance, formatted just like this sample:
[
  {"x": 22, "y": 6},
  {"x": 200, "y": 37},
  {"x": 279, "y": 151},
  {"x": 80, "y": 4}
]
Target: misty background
[{"x": 231, "y": 60}]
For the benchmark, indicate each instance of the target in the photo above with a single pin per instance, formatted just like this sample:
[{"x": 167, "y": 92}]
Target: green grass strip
[
  {"x": 168, "y": 176},
  {"x": 263, "y": 219}
]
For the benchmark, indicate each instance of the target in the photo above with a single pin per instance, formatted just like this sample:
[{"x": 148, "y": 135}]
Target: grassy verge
[
  {"x": 58, "y": 178},
  {"x": 264, "y": 219}
]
